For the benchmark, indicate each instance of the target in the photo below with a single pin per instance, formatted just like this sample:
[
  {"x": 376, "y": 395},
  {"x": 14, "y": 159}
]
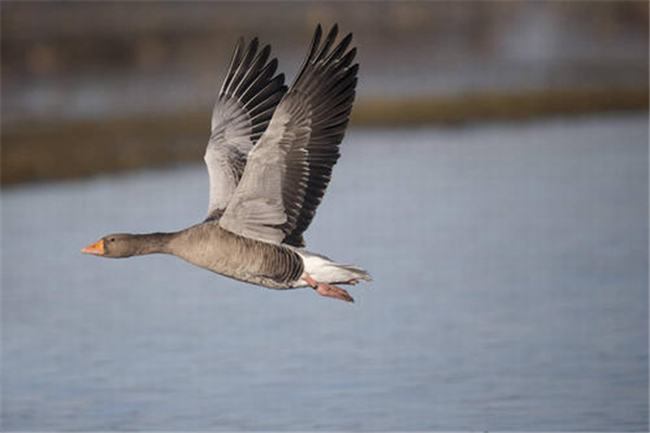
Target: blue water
[{"x": 510, "y": 293}]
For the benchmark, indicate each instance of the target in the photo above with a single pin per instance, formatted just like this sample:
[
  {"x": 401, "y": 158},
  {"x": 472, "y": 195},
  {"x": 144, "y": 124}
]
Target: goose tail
[
  {"x": 325, "y": 270},
  {"x": 354, "y": 273}
]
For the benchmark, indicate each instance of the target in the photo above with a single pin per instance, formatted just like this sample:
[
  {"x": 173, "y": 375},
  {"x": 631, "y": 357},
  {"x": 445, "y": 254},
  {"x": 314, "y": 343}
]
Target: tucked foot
[
  {"x": 333, "y": 292},
  {"x": 328, "y": 290}
]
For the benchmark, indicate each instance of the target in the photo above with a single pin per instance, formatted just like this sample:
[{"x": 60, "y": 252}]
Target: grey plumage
[
  {"x": 246, "y": 101},
  {"x": 269, "y": 158},
  {"x": 210, "y": 247},
  {"x": 290, "y": 167}
]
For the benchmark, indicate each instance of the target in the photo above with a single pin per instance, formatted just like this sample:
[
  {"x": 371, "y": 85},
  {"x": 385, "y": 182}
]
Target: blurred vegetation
[{"x": 98, "y": 86}]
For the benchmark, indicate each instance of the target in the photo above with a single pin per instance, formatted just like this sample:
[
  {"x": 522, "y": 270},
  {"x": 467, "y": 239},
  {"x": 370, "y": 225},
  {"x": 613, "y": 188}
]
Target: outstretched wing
[
  {"x": 249, "y": 95},
  {"x": 289, "y": 169}
]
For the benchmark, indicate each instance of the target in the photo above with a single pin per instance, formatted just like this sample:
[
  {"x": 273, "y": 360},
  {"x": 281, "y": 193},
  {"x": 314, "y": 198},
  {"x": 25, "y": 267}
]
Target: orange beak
[{"x": 97, "y": 248}]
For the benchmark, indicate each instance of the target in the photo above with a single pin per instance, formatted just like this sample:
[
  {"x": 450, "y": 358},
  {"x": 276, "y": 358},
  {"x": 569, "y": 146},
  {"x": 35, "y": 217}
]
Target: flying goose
[{"x": 269, "y": 158}]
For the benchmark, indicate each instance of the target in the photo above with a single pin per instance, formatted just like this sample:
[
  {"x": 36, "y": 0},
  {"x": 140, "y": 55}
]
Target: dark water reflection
[{"x": 510, "y": 292}]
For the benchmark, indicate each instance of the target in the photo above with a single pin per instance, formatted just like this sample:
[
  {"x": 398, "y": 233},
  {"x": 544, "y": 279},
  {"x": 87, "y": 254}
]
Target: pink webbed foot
[
  {"x": 328, "y": 290},
  {"x": 333, "y": 292}
]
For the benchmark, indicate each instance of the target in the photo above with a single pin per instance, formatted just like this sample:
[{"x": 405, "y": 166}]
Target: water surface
[{"x": 510, "y": 292}]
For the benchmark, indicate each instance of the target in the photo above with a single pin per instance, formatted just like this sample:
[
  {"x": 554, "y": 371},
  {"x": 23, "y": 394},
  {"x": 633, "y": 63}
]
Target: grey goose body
[{"x": 270, "y": 158}]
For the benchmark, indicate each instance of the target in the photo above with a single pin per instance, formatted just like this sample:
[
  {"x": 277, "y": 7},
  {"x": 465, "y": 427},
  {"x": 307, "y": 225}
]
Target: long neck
[{"x": 152, "y": 243}]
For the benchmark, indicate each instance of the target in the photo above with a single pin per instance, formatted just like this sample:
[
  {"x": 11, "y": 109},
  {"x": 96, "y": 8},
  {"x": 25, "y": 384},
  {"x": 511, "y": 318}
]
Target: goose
[{"x": 269, "y": 158}]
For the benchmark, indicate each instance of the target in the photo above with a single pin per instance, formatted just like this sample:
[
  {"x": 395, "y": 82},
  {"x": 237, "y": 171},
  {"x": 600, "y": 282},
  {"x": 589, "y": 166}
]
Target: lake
[{"x": 510, "y": 292}]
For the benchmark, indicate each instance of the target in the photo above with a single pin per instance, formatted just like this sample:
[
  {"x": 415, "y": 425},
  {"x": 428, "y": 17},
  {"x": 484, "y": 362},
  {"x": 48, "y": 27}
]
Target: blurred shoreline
[
  {"x": 41, "y": 151},
  {"x": 92, "y": 87}
]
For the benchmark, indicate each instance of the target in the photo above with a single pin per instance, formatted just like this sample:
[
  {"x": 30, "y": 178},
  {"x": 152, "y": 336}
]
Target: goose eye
[{"x": 112, "y": 239}]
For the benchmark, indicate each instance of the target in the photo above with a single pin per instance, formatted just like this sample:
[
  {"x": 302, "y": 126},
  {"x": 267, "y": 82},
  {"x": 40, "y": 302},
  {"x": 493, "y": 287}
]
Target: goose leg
[{"x": 328, "y": 290}]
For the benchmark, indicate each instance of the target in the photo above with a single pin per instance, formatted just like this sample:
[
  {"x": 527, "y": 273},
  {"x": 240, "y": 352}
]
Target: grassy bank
[{"x": 34, "y": 151}]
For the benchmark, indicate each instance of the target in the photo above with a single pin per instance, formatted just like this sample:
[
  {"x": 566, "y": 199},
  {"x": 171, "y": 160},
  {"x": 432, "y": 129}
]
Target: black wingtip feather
[
  {"x": 340, "y": 48},
  {"x": 315, "y": 43},
  {"x": 334, "y": 31},
  {"x": 329, "y": 40},
  {"x": 250, "y": 80},
  {"x": 253, "y": 72},
  {"x": 269, "y": 102},
  {"x": 264, "y": 54},
  {"x": 232, "y": 67},
  {"x": 273, "y": 65},
  {"x": 325, "y": 86},
  {"x": 260, "y": 83}
]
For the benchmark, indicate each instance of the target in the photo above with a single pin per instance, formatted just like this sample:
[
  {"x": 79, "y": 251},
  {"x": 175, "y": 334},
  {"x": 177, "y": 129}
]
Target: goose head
[{"x": 115, "y": 246}]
